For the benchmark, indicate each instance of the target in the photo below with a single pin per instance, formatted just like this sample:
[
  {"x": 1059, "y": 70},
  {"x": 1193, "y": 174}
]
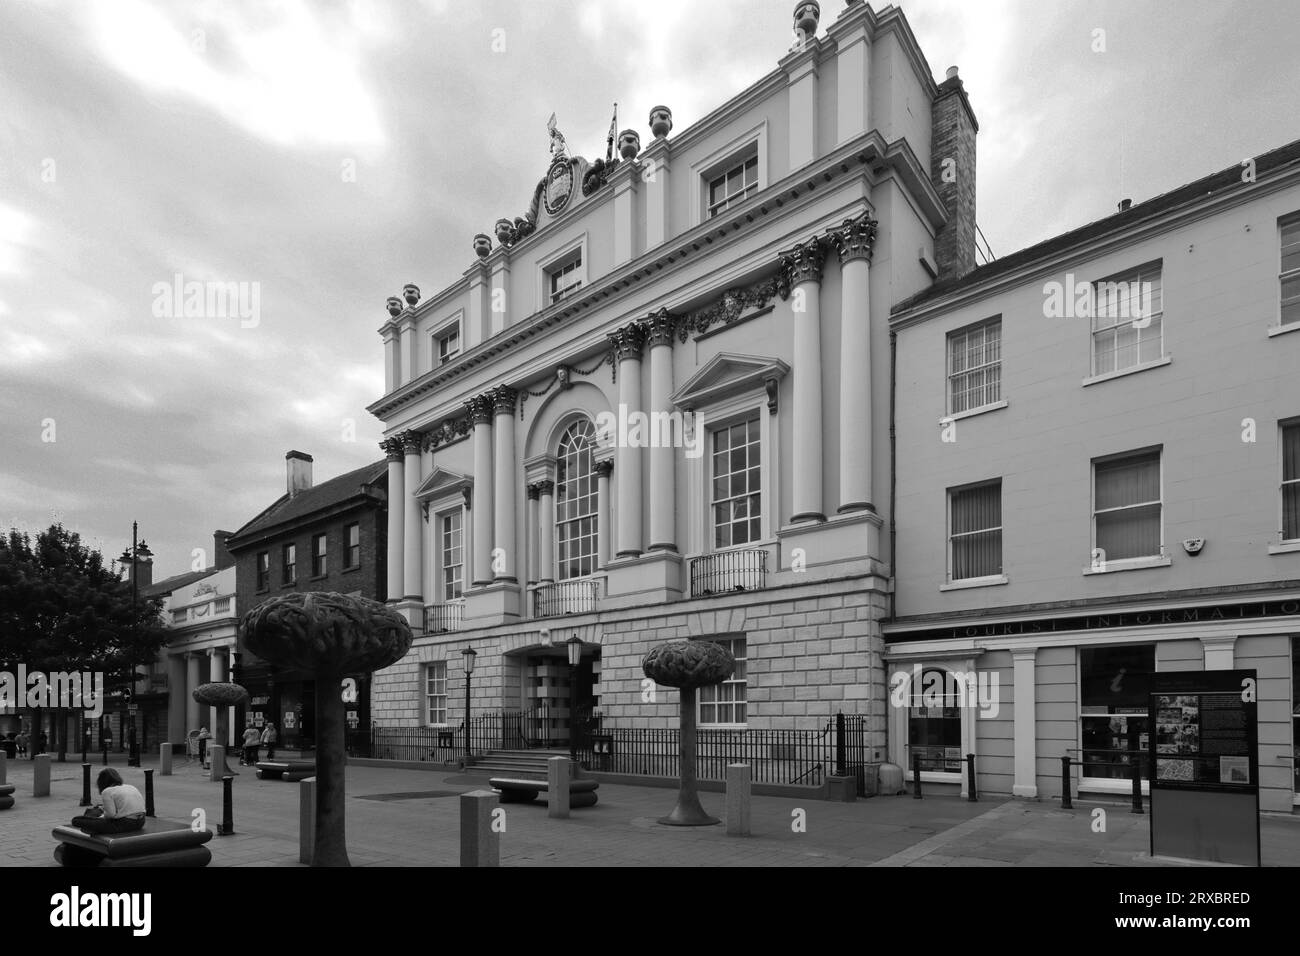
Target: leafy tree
[{"x": 61, "y": 609}]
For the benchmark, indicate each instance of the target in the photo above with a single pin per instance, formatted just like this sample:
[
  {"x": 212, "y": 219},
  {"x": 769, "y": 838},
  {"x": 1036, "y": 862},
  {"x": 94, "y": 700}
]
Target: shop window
[
  {"x": 1113, "y": 707},
  {"x": 934, "y": 722},
  {"x": 1295, "y": 709}
]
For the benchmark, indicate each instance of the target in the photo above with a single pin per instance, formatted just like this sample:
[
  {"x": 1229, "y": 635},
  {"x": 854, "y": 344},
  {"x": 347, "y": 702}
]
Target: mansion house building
[
  {"x": 732, "y": 282},
  {"x": 744, "y": 382}
]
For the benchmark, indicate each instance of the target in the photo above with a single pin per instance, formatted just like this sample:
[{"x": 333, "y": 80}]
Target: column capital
[
  {"x": 534, "y": 492},
  {"x": 659, "y": 328},
  {"x": 411, "y": 441},
  {"x": 480, "y": 409},
  {"x": 854, "y": 238},
  {"x": 503, "y": 399},
  {"x": 628, "y": 341},
  {"x": 546, "y": 487},
  {"x": 392, "y": 449},
  {"x": 804, "y": 262},
  {"x": 604, "y": 468}
]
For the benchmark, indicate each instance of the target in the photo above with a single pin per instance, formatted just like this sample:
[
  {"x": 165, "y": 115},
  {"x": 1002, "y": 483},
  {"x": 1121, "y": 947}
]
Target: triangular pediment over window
[
  {"x": 441, "y": 483},
  {"x": 728, "y": 374}
]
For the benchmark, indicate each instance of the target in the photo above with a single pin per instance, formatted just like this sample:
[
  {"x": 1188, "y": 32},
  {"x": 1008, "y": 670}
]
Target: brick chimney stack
[
  {"x": 222, "y": 557},
  {"x": 952, "y": 172},
  {"x": 298, "y": 472}
]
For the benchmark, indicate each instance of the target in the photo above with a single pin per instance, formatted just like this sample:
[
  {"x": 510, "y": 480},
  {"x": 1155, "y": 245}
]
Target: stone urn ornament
[
  {"x": 331, "y": 636},
  {"x": 661, "y": 121},
  {"x": 629, "y": 143},
  {"x": 222, "y": 696},
  {"x": 688, "y": 665},
  {"x": 807, "y": 14},
  {"x": 482, "y": 245},
  {"x": 411, "y": 292},
  {"x": 394, "y": 306},
  {"x": 505, "y": 230}
]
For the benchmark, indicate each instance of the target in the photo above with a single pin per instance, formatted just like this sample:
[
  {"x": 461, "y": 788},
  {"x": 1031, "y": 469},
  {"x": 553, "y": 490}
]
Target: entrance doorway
[{"x": 558, "y": 700}]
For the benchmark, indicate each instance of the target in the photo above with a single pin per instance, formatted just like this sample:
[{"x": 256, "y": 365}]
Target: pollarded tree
[{"x": 330, "y": 636}]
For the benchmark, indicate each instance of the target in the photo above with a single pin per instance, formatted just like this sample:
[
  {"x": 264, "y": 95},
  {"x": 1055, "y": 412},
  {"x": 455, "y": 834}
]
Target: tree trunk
[
  {"x": 688, "y": 812},
  {"x": 331, "y": 846}
]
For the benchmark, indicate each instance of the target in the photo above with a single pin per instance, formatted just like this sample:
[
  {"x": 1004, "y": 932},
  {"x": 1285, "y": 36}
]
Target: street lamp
[
  {"x": 139, "y": 549},
  {"x": 574, "y": 645},
  {"x": 469, "y": 655}
]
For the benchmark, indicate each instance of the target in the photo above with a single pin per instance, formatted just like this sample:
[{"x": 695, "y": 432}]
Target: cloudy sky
[{"x": 329, "y": 152}]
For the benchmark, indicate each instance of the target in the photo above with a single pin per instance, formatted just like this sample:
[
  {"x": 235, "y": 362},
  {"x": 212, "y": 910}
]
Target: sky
[{"x": 320, "y": 155}]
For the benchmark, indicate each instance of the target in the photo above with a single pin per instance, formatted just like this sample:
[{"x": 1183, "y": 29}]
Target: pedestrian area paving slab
[{"x": 398, "y": 817}]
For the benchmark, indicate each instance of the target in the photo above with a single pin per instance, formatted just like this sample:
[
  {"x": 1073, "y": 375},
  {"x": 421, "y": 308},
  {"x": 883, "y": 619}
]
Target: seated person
[{"x": 122, "y": 810}]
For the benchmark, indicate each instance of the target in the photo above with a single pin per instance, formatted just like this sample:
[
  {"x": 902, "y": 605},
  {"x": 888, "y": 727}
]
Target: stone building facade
[{"x": 657, "y": 404}]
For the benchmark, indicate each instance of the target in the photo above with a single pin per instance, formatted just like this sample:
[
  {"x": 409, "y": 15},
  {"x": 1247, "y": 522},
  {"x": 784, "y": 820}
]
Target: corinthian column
[
  {"x": 412, "y": 550},
  {"x": 480, "y": 413},
  {"x": 663, "y": 500},
  {"x": 396, "y": 516},
  {"x": 853, "y": 242},
  {"x": 803, "y": 266},
  {"x": 503, "y": 432},
  {"x": 628, "y": 342}
]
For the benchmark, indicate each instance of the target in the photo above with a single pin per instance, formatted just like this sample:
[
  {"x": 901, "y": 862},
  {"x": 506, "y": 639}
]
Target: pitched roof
[
  {"x": 1205, "y": 188},
  {"x": 310, "y": 501},
  {"x": 175, "y": 582}
]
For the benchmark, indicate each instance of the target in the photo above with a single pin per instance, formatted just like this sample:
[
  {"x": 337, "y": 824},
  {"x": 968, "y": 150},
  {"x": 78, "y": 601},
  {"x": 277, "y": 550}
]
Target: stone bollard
[
  {"x": 558, "y": 771},
  {"x": 306, "y": 819},
  {"x": 41, "y": 776},
  {"x": 479, "y": 844},
  {"x": 738, "y": 799},
  {"x": 4, "y": 758},
  {"x": 216, "y": 763},
  {"x": 165, "y": 760}
]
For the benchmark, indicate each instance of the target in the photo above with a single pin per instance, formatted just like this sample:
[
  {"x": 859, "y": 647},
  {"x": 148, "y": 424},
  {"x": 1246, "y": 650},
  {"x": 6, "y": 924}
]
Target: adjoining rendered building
[
  {"x": 656, "y": 404},
  {"x": 1098, "y": 472}
]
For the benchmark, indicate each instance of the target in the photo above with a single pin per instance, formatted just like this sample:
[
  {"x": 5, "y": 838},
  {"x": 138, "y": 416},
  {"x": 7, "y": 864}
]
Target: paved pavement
[{"x": 414, "y": 822}]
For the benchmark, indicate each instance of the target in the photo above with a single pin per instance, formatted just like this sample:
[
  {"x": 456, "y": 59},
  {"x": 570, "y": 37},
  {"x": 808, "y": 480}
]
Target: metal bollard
[
  {"x": 916, "y": 776},
  {"x": 306, "y": 819},
  {"x": 105, "y": 755},
  {"x": 148, "y": 793},
  {"x": 1066, "y": 802},
  {"x": 4, "y": 764},
  {"x": 1137, "y": 783},
  {"x": 970, "y": 779},
  {"x": 227, "y": 807},
  {"x": 85, "y": 785}
]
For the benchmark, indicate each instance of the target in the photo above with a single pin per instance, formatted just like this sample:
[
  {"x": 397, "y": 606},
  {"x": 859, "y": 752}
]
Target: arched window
[{"x": 577, "y": 511}]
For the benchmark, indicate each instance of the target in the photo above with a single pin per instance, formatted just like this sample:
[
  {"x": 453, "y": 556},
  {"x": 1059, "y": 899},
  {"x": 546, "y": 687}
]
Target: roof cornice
[{"x": 870, "y": 150}]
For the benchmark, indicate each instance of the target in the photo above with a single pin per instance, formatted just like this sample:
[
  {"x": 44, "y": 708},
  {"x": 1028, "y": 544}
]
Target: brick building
[{"x": 326, "y": 537}]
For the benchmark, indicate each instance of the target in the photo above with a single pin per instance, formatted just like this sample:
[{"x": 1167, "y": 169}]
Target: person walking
[
  {"x": 268, "y": 740},
  {"x": 252, "y": 741},
  {"x": 204, "y": 736},
  {"x": 22, "y": 743}
]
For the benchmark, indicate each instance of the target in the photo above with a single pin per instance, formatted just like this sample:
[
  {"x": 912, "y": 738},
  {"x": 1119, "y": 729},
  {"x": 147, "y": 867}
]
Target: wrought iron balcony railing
[
  {"x": 724, "y": 571},
  {"x": 579, "y": 596},
  {"x": 443, "y": 617}
]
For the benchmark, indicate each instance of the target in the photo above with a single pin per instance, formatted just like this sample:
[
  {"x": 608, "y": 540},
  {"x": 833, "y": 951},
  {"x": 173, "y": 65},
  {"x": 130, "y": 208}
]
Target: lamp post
[
  {"x": 574, "y": 646},
  {"x": 139, "y": 549},
  {"x": 468, "y": 654}
]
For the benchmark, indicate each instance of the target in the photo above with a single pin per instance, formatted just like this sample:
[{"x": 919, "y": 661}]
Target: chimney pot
[
  {"x": 1124, "y": 205},
  {"x": 297, "y": 472},
  {"x": 952, "y": 73}
]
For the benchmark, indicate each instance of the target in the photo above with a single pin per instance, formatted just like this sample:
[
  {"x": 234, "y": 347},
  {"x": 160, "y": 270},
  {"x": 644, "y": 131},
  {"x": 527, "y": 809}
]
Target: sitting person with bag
[{"x": 122, "y": 809}]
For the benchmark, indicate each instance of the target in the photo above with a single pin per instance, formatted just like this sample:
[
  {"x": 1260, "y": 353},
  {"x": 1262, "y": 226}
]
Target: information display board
[{"x": 1204, "y": 766}]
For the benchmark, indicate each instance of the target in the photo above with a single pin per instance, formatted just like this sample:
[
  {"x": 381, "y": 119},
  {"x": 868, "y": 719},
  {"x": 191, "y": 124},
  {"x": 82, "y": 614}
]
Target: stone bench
[
  {"x": 6, "y": 796},
  {"x": 160, "y": 843},
  {"x": 582, "y": 793},
  {"x": 290, "y": 770}
]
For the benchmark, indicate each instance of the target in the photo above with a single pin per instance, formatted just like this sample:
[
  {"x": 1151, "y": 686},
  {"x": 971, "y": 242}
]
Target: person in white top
[{"x": 122, "y": 809}]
